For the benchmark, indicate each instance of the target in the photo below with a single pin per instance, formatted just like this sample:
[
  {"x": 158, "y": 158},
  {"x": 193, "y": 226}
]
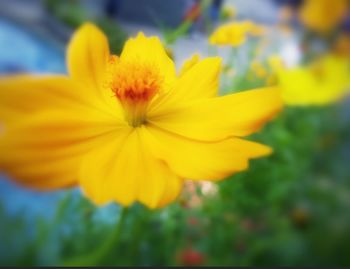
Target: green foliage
[
  {"x": 116, "y": 36},
  {"x": 69, "y": 12},
  {"x": 72, "y": 14}
]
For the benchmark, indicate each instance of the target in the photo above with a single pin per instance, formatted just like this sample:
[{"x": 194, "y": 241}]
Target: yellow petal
[
  {"x": 87, "y": 55},
  {"x": 323, "y": 16},
  {"x": 44, "y": 150},
  {"x": 201, "y": 160},
  {"x": 233, "y": 34},
  {"x": 172, "y": 189},
  {"x": 149, "y": 50},
  {"x": 99, "y": 177},
  {"x": 189, "y": 63},
  {"x": 192, "y": 85},
  {"x": 124, "y": 170},
  {"x": 218, "y": 118},
  {"x": 23, "y": 95}
]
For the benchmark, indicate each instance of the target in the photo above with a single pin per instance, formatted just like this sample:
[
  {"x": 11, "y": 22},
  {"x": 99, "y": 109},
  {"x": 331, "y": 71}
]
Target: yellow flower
[
  {"x": 323, "y": 82},
  {"x": 258, "y": 69},
  {"x": 235, "y": 33},
  {"x": 275, "y": 62},
  {"x": 127, "y": 128},
  {"x": 341, "y": 45},
  {"x": 255, "y": 29},
  {"x": 323, "y": 15}
]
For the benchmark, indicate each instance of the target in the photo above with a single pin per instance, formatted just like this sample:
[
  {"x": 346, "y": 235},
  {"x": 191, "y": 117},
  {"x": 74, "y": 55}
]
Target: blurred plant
[
  {"x": 171, "y": 35},
  {"x": 73, "y": 14},
  {"x": 116, "y": 35},
  {"x": 227, "y": 13},
  {"x": 69, "y": 12},
  {"x": 191, "y": 257},
  {"x": 194, "y": 14}
]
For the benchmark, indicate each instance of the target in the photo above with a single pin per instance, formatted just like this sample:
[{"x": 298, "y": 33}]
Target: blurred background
[{"x": 292, "y": 208}]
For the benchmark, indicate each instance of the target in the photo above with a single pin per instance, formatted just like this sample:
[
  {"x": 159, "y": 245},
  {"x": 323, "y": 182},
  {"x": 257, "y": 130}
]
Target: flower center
[{"x": 134, "y": 84}]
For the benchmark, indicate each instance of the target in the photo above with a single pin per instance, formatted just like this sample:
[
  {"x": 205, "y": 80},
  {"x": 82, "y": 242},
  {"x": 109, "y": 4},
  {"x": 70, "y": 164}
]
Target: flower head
[
  {"x": 323, "y": 15},
  {"x": 127, "y": 128},
  {"x": 235, "y": 33},
  {"x": 322, "y": 82}
]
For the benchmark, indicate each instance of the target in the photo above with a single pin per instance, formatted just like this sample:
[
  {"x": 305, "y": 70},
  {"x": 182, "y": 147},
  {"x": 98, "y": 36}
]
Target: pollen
[{"x": 135, "y": 84}]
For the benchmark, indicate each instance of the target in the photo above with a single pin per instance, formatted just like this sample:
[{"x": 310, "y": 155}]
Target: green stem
[
  {"x": 233, "y": 58},
  {"x": 230, "y": 63},
  {"x": 181, "y": 30},
  {"x": 100, "y": 253}
]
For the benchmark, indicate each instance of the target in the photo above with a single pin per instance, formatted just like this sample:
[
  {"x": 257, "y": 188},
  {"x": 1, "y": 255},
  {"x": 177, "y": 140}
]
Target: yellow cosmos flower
[
  {"x": 235, "y": 33},
  {"x": 255, "y": 29},
  {"x": 323, "y": 15},
  {"x": 127, "y": 128},
  {"x": 323, "y": 82},
  {"x": 275, "y": 62}
]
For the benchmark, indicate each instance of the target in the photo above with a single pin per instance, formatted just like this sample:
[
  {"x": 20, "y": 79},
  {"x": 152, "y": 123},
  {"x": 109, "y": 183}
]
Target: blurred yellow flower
[
  {"x": 341, "y": 45},
  {"x": 127, "y": 128},
  {"x": 323, "y": 82},
  {"x": 235, "y": 33},
  {"x": 258, "y": 69},
  {"x": 323, "y": 15},
  {"x": 255, "y": 29},
  {"x": 275, "y": 62}
]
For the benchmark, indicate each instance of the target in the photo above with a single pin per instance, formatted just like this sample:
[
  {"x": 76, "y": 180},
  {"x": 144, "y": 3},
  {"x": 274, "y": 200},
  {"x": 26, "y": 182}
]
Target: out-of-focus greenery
[
  {"x": 72, "y": 14},
  {"x": 170, "y": 35}
]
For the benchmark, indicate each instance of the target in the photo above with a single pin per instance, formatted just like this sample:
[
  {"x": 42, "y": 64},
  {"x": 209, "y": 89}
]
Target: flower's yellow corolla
[
  {"x": 127, "y": 128},
  {"x": 235, "y": 33},
  {"x": 323, "y": 15},
  {"x": 325, "y": 81}
]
